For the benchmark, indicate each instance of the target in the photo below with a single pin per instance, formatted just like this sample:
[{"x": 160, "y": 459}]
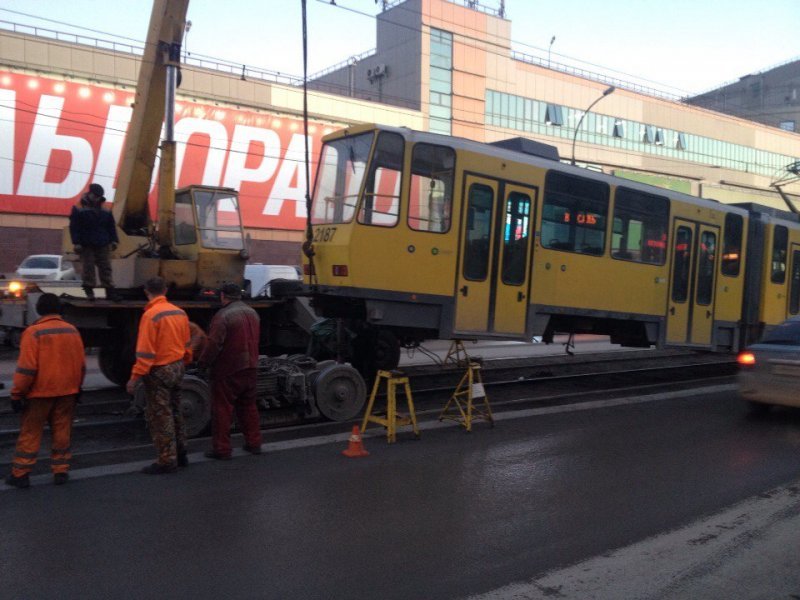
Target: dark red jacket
[{"x": 232, "y": 344}]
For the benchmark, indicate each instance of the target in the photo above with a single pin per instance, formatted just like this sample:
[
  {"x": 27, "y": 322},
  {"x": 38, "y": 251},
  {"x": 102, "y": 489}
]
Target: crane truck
[{"x": 196, "y": 243}]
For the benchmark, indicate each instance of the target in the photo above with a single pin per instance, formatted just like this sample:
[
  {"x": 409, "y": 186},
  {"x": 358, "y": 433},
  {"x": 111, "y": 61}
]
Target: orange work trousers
[{"x": 57, "y": 412}]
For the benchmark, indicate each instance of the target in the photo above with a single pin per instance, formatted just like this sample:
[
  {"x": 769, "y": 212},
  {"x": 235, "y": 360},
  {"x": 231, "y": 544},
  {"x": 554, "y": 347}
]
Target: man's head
[
  {"x": 230, "y": 292},
  {"x": 155, "y": 286},
  {"x": 96, "y": 190},
  {"x": 48, "y": 304}
]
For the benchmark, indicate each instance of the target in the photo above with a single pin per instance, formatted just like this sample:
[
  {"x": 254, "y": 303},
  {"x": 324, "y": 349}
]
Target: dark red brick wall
[{"x": 17, "y": 242}]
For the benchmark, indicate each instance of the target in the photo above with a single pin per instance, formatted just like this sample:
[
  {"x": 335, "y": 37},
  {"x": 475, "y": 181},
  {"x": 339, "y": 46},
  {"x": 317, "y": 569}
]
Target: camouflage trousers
[{"x": 163, "y": 410}]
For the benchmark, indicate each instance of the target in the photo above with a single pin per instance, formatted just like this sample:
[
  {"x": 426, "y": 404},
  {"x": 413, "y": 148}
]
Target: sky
[{"x": 678, "y": 46}]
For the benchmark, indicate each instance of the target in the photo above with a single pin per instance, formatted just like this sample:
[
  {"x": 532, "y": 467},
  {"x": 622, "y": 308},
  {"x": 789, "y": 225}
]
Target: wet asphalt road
[{"x": 448, "y": 516}]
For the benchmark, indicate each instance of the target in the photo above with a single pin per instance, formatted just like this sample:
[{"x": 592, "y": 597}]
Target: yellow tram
[{"x": 423, "y": 236}]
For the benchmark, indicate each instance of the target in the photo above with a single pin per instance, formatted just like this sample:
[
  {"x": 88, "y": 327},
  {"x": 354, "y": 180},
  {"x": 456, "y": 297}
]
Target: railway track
[{"x": 105, "y": 429}]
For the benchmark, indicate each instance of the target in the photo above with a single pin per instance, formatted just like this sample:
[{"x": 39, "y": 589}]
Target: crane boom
[{"x": 164, "y": 38}]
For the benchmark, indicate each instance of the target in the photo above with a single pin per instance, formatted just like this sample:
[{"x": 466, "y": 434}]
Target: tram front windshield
[{"x": 339, "y": 177}]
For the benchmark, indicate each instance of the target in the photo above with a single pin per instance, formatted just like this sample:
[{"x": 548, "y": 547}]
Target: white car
[
  {"x": 52, "y": 267},
  {"x": 258, "y": 277}
]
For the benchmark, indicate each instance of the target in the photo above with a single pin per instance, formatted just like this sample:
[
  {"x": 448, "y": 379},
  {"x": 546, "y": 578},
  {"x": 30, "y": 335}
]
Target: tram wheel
[
  {"x": 340, "y": 392},
  {"x": 378, "y": 349},
  {"x": 113, "y": 366}
]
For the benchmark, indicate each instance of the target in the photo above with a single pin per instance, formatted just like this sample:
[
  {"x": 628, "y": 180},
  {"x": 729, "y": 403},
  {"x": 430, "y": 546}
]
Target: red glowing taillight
[
  {"x": 746, "y": 359},
  {"x": 340, "y": 270}
]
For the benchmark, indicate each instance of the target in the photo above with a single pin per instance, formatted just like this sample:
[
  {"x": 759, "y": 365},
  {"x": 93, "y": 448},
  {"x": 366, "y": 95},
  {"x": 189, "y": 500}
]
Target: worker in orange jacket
[
  {"x": 48, "y": 379},
  {"x": 162, "y": 353}
]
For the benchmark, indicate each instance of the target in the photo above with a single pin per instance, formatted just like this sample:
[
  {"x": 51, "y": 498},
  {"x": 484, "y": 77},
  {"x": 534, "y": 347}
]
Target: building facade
[
  {"x": 441, "y": 65},
  {"x": 771, "y": 97}
]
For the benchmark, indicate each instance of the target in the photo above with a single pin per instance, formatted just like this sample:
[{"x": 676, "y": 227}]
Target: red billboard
[{"x": 57, "y": 136}]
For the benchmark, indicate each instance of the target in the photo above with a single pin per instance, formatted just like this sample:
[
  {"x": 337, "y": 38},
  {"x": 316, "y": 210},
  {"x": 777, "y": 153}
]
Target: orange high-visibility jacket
[
  {"x": 51, "y": 360},
  {"x": 163, "y": 337}
]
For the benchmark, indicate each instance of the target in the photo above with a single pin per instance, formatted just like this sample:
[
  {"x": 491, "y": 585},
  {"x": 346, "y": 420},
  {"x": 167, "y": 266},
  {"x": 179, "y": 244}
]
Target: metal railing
[
  {"x": 342, "y": 64},
  {"x": 595, "y": 76}
]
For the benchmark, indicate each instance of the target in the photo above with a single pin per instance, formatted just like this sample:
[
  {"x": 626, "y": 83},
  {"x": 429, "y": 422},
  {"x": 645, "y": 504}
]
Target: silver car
[{"x": 769, "y": 371}]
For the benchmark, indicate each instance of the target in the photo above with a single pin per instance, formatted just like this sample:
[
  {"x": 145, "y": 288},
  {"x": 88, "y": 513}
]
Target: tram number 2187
[{"x": 324, "y": 234}]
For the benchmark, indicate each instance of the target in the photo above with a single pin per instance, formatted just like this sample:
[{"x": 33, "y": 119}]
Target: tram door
[
  {"x": 690, "y": 317},
  {"x": 512, "y": 278},
  {"x": 493, "y": 282},
  {"x": 474, "y": 288}
]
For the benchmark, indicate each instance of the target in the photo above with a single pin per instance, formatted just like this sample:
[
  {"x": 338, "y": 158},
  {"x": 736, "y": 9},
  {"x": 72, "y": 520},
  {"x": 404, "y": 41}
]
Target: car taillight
[
  {"x": 746, "y": 359},
  {"x": 340, "y": 270}
]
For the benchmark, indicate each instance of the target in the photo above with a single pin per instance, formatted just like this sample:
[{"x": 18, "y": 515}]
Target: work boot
[
  {"x": 159, "y": 469},
  {"x": 19, "y": 482},
  {"x": 252, "y": 449},
  {"x": 183, "y": 459},
  {"x": 217, "y": 455},
  {"x": 89, "y": 292},
  {"x": 60, "y": 478},
  {"x": 112, "y": 294}
]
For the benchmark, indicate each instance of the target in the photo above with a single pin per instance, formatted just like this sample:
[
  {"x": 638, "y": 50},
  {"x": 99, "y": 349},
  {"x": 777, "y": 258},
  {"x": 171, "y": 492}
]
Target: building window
[
  {"x": 648, "y": 134},
  {"x": 680, "y": 141},
  {"x": 787, "y": 125},
  {"x": 553, "y": 115},
  {"x": 440, "y": 111},
  {"x": 619, "y": 129}
]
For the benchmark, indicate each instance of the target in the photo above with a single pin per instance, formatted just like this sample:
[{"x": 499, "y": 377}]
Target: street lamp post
[
  {"x": 609, "y": 90},
  {"x": 549, "y": 48},
  {"x": 186, "y": 30}
]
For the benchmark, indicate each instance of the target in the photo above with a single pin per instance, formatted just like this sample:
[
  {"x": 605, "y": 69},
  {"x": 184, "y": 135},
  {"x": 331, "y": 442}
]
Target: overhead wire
[{"x": 482, "y": 115}]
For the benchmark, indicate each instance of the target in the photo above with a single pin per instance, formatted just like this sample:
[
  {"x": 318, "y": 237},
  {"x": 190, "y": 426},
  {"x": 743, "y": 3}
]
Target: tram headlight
[{"x": 746, "y": 359}]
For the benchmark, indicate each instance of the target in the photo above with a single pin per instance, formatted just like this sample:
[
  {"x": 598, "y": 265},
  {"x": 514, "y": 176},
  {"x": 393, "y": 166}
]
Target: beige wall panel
[
  {"x": 35, "y": 54},
  {"x": 12, "y": 49},
  {"x": 469, "y": 59},
  {"x": 83, "y": 61},
  {"x": 126, "y": 69},
  {"x": 58, "y": 58},
  {"x": 104, "y": 66},
  {"x": 202, "y": 83},
  {"x": 221, "y": 87},
  {"x": 468, "y": 85}
]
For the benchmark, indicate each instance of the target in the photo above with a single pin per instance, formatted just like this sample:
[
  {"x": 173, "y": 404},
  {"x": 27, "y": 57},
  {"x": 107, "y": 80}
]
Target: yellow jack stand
[
  {"x": 392, "y": 418},
  {"x": 457, "y": 354},
  {"x": 469, "y": 389}
]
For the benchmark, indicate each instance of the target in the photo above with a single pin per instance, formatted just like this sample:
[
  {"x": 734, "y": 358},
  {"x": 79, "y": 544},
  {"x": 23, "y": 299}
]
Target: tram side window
[
  {"x": 780, "y": 240},
  {"x": 477, "y": 238},
  {"x": 640, "y": 227},
  {"x": 515, "y": 238},
  {"x": 794, "y": 292},
  {"x": 706, "y": 262},
  {"x": 381, "y": 204},
  {"x": 732, "y": 245},
  {"x": 682, "y": 265},
  {"x": 574, "y": 214},
  {"x": 431, "y": 198}
]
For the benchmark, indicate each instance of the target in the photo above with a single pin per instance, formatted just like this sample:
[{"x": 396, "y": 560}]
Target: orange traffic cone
[{"x": 355, "y": 448}]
